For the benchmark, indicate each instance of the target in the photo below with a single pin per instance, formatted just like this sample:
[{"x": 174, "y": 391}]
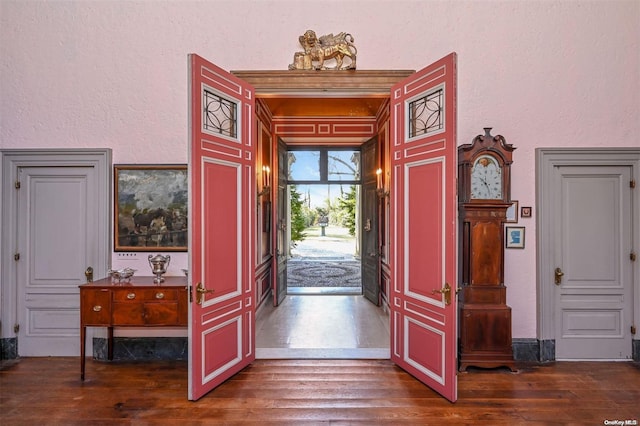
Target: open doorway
[
  {"x": 418, "y": 252},
  {"x": 322, "y": 326},
  {"x": 324, "y": 253},
  {"x": 324, "y": 314}
]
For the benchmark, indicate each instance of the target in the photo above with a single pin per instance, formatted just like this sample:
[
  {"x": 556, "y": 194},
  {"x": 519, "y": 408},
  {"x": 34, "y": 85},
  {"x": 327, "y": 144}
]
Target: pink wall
[{"x": 114, "y": 74}]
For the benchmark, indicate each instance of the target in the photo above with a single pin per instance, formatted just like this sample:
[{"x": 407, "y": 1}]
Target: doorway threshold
[
  {"x": 305, "y": 291},
  {"x": 323, "y": 353}
]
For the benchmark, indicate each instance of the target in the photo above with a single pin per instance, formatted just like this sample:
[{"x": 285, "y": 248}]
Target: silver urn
[{"x": 159, "y": 265}]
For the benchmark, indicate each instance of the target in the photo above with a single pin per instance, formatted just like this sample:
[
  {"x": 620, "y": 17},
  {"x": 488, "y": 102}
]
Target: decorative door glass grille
[
  {"x": 426, "y": 114},
  {"x": 219, "y": 115}
]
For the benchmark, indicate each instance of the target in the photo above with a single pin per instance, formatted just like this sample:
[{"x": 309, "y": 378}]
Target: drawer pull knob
[
  {"x": 131, "y": 296},
  {"x": 97, "y": 308},
  {"x": 159, "y": 295}
]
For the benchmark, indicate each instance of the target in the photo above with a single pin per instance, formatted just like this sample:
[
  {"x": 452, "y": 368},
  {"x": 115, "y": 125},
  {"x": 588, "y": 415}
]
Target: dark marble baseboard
[
  {"x": 526, "y": 350},
  {"x": 534, "y": 350},
  {"x": 142, "y": 348},
  {"x": 547, "y": 350},
  {"x": 175, "y": 348},
  {"x": 8, "y": 348}
]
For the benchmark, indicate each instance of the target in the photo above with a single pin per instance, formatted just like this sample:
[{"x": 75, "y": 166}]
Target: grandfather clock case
[{"x": 484, "y": 194}]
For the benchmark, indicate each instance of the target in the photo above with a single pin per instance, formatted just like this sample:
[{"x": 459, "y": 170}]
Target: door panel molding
[
  {"x": 423, "y": 216},
  {"x": 222, "y": 226},
  {"x": 14, "y": 160},
  {"x": 548, "y": 162}
]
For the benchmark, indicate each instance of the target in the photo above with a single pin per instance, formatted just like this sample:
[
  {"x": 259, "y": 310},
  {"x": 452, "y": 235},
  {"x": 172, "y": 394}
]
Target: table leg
[
  {"x": 110, "y": 344},
  {"x": 83, "y": 333}
]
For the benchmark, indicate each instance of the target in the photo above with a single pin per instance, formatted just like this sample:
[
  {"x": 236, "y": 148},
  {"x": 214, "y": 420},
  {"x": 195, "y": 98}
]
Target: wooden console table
[{"x": 139, "y": 303}]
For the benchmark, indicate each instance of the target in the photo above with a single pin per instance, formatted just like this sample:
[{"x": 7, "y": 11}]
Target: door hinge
[
  {"x": 632, "y": 256},
  {"x": 16, "y": 328},
  {"x": 633, "y": 329},
  {"x": 632, "y": 183},
  {"x": 16, "y": 257},
  {"x": 190, "y": 294},
  {"x": 17, "y": 184}
]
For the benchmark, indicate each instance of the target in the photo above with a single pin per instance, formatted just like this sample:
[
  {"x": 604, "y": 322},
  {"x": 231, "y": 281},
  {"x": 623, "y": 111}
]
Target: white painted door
[
  {"x": 594, "y": 276},
  {"x": 60, "y": 228}
]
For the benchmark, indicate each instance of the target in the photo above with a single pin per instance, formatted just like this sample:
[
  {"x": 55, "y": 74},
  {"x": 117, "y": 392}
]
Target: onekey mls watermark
[{"x": 628, "y": 422}]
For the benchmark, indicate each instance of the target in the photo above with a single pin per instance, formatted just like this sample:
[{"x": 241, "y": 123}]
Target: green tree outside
[
  {"x": 347, "y": 210},
  {"x": 298, "y": 216}
]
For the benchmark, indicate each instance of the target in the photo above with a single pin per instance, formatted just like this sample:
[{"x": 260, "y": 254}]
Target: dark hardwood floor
[{"x": 48, "y": 391}]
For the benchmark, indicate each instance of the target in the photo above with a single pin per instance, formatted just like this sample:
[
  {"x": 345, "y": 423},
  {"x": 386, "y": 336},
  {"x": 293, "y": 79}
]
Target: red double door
[{"x": 222, "y": 226}]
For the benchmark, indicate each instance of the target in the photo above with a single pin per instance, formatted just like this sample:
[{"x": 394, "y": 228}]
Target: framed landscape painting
[{"x": 150, "y": 207}]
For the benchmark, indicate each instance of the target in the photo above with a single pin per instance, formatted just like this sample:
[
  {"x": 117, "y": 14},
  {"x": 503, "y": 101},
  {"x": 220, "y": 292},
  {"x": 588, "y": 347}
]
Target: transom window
[
  {"x": 324, "y": 165},
  {"x": 219, "y": 115},
  {"x": 426, "y": 114}
]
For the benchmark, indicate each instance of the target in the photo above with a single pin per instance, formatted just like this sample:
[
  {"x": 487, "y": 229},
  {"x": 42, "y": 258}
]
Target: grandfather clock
[{"x": 484, "y": 195}]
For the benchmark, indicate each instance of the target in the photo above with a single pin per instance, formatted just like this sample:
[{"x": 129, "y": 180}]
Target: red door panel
[
  {"x": 221, "y": 240},
  {"x": 423, "y": 232}
]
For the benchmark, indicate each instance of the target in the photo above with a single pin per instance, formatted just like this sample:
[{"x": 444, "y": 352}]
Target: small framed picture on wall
[
  {"x": 525, "y": 212},
  {"x": 512, "y": 213},
  {"x": 514, "y": 237}
]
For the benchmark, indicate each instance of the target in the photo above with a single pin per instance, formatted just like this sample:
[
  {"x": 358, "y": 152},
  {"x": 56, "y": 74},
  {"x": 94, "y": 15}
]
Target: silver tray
[{"x": 121, "y": 274}]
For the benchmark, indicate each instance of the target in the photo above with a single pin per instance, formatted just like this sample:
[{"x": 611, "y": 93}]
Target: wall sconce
[
  {"x": 380, "y": 187},
  {"x": 266, "y": 181}
]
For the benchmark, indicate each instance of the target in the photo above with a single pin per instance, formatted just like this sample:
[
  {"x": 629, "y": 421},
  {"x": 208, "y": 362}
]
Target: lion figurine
[{"x": 318, "y": 50}]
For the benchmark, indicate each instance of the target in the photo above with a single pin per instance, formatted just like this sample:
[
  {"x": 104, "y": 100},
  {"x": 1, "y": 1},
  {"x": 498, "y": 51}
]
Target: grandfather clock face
[{"x": 486, "y": 179}]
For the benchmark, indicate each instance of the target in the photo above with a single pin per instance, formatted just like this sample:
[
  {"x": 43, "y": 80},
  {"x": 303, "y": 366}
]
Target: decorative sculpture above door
[{"x": 327, "y": 47}]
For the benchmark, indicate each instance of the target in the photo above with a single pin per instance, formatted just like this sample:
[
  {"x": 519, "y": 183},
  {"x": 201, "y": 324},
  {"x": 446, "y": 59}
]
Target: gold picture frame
[{"x": 150, "y": 207}]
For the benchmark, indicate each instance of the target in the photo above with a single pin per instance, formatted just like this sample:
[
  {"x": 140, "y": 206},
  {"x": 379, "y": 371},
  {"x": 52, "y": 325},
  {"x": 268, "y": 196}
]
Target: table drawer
[
  {"x": 146, "y": 314},
  {"x": 95, "y": 306},
  {"x": 145, "y": 295},
  {"x": 128, "y": 314},
  {"x": 161, "y": 314}
]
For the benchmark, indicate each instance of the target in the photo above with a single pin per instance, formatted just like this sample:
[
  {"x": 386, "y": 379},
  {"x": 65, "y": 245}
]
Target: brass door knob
[
  {"x": 446, "y": 291},
  {"x": 200, "y": 292}
]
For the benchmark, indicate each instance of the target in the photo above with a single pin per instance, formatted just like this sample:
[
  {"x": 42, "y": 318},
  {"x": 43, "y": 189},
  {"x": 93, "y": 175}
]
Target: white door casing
[
  {"x": 587, "y": 209},
  {"x": 58, "y": 224}
]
